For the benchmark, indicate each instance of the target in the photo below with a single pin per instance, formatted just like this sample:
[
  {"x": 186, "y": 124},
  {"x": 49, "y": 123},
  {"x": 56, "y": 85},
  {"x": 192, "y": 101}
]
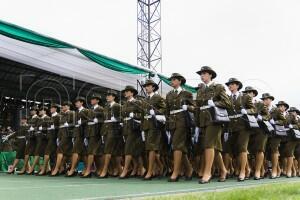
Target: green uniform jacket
[
  {"x": 54, "y": 120},
  {"x": 111, "y": 111},
  {"x": 80, "y": 130},
  {"x": 174, "y": 102},
  {"x": 291, "y": 119},
  {"x": 33, "y": 122},
  {"x": 134, "y": 106},
  {"x": 215, "y": 92},
  {"x": 45, "y": 123},
  {"x": 262, "y": 110},
  {"x": 157, "y": 103},
  {"x": 94, "y": 130},
  {"x": 242, "y": 101},
  {"x": 68, "y": 117},
  {"x": 21, "y": 132},
  {"x": 278, "y": 117}
]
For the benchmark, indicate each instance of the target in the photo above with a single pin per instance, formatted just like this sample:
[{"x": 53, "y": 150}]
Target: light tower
[{"x": 149, "y": 34}]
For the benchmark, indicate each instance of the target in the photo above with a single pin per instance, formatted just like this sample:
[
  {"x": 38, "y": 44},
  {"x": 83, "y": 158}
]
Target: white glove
[
  {"x": 184, "y": 107},
  {"x": 4, "y": 138},
  {"x": 152, "y": 112},
  {"x": 102, "y": 139},
  {"x": 79, "y": 121},
  {"x": 40, "y": 128},
  {"x": 143, "y": 136},
  {"x": 211, "y": 103},
  {"x": 57, "y": 142},
  {"x": 259, "y": 118},
  {"x": 66, "y": 124},
  {"x": 196, "y": 136},
  {"x": 95, "y": 120},
  {"x": 161, "y": 118},
  {"x": 52, "y": 126},
  {"x": 86, "y": 142},
  {"x": 113, "y": 119},
  {"x": 31, "y": 128},
  {"x": 291, "y": 126},
  {"x": 226, "y": 136},
  {"x": 121, "y": 124},
  {"x": 131, "y": 115},
  {"x": 272, "y": 121},
  {"x": 73, "y": 140},
  {"x": 244, "y": 111},
  {"x": 169, "y": 136}
]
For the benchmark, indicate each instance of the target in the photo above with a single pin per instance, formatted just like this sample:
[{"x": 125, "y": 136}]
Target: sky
[{"x": 256, "y": 41}]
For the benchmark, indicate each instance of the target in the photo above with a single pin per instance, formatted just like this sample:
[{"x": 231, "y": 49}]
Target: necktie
[
  {"x": 176, "y": 91},
  {"x": 234, "y": 97}
]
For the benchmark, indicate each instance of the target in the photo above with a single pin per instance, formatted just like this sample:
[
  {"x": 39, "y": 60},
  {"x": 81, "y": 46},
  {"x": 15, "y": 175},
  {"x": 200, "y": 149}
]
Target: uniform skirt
[
  {"x": 30, "y": 146},
  {"x": 65, "y": 146},
  {"x": 110, "y": 143},
  {"x": 179, "y": 133},
  {"x": 152, "y": 138},
  {"x": 94, "y": 145},
  {"x": 134, "y": 144},
  {"x": 274, "y": 143},
  {"x": 212, "y": 137},
  {"x": 79, "y": 146},
  {"x": 51, "y": 146},
  {"x": 20, "y": 148},
  {"x": 258, "y": 141},
  {"x": 289, "y": 148},
  {"x": 41, "y": 143}
]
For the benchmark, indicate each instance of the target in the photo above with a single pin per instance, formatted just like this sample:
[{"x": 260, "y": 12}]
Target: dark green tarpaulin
[{"x": 25, "y": 35}]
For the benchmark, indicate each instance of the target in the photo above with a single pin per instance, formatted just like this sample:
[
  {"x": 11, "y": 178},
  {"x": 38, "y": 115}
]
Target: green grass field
[
  {"x": 275, "y": 191},
  {"x": 28, "y": 187}
]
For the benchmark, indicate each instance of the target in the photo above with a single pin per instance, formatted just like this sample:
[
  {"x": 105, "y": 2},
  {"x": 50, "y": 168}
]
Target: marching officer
[
  {"x": 259, "y": 137},
  {"x": 241, "y": 105},
  {"x": 153, "y": 113},
  {"x": 178, "y": 104},
  {"x": 292, "y": 142},
  {"x": 20, "y": 143},
  {"x": 131, "y": 115},
  {"x": 64, "y": 137},
  {"x": 92, "y": 134},
  {"x": 279, "y": 119},
  {"x": 42, "y": 127},
  {"x": 79, "y": 149},
  {"x": 111, "y": 131},
  {"x": 52, "y": 131},
  {"x": 211, "y": 95},
  {"x": 30, "y": 138}
]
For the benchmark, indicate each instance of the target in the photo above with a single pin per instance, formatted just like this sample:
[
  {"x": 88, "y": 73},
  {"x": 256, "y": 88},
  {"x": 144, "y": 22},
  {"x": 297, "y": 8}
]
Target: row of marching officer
[{"x": 214, "y": 134}]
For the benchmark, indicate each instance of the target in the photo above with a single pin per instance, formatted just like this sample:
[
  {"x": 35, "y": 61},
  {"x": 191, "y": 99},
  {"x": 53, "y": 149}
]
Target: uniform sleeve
[
  {"x": 222, "y": 99},
  {"x": 189, "y": 101},
  {"x": 116, "y": 109},
  {"x": 71, "y": 118},
  {"x": 138, "y": 110},
  {"x": 264, "y": 112},
  {"x": 167, "y": 111},
  {"x": 161, "y": 106},
  {"x": 249, "y": 106},
  {"x": 279, "y": 118}
]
